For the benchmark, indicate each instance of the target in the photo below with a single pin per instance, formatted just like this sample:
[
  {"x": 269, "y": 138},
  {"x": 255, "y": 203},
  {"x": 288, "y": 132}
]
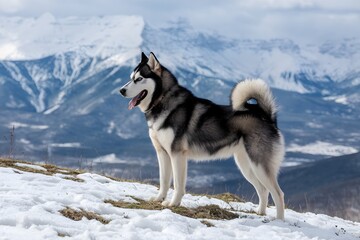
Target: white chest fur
[{"x": 162, "y": 138}]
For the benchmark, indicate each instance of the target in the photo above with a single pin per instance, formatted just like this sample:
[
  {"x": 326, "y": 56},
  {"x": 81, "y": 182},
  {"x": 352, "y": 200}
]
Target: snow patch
[
  {"x": 314, "y": 125},
  {"x": 342, "y": 99},
  {"x": 66, "y": 145},
  {"x": 322, "y": 148},
  {"x": 36, "y": 167},
  {"x": 111, "y": 127},
  {"x": 290, "y": 164},
  {"x": 201, "y": 180},
  {"x": 24, "y": 125},
  {"x": 24, "y": 141},
  {"x": 110, "y": 158},
  {"x": 52, "y": 109}
]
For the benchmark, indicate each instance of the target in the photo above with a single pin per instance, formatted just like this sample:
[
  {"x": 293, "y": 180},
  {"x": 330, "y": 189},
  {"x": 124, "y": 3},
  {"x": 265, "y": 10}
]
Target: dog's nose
[{"x": 123, "y": 91}]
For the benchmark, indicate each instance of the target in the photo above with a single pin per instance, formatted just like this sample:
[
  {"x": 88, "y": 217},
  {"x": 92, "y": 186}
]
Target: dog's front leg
[
  {"x": 179, "y": 168},
  {"x": 164, "y": 173},
  {"x": 164, "y": 167}
]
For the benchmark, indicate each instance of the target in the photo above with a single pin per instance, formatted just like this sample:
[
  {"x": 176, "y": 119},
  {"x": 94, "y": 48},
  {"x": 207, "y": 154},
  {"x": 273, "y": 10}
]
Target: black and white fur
[{"x": 183, "y": 127}]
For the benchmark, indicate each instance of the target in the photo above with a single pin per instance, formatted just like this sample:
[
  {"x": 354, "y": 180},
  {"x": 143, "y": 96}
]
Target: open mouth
[{"x": 137, "y": 99}]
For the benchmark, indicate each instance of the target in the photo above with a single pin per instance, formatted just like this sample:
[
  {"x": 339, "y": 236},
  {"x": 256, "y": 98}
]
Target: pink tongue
[{"x": 133, "y": 102}]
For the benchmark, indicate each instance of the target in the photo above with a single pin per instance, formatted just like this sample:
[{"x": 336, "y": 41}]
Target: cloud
[
  {"x": 300, "y": 5},
  {"x": 276, "y": 4},
  {"x": 9, "y": 50},
  {"x": 12, "y": 6},
  {"x": 306, "y": 20}
]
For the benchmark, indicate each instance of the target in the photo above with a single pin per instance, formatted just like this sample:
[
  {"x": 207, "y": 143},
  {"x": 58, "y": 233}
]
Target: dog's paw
[
  {"x": 261, "y": 212},
  {"x": 174, "y": 204},
  {"x": 157, "y": 199},
  {"x": 165, "y": 203},
  {"x": 170, "y": 204}
]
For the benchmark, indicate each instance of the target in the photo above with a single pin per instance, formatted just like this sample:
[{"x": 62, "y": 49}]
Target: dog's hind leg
[
  {"x": 179, "y": 167},
  {"x": 243, "y": 162},
  {"x": 265, "y": 156},
  {"x": 269, "y": 180}
]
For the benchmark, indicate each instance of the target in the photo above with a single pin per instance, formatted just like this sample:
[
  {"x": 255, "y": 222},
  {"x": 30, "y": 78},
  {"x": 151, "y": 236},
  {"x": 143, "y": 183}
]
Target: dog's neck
[{"x": 154, "y": 104}]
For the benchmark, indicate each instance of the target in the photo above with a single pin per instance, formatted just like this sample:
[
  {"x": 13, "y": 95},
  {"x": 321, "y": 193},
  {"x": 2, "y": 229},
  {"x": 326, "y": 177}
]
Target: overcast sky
[{"x": 301, "y": 20}]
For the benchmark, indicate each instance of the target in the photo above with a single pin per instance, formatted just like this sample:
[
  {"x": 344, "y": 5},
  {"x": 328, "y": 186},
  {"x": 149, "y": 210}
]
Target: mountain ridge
[
  {"x": 282, "y": 62},
  {"x": 69, "y": 98}
]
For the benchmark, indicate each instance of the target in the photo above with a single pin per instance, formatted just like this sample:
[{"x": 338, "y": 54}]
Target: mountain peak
[
  {"x": 282, "y": 62},
  {"x": 33, "y": 38}
]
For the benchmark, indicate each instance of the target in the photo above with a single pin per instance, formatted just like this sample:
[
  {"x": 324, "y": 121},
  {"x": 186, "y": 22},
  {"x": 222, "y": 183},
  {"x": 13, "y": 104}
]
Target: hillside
[
  {"x": 48, "y": 202},
  {"x": 330, "y": 186}
]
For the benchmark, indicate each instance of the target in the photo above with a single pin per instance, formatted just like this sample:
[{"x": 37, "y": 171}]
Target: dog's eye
[{"x": 138, "y": 79}]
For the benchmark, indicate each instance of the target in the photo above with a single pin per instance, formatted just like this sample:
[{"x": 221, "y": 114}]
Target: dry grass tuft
[
  {"x": 77, "y": 215},
  {"x": 207, "y": 223},
  {"x": 140, "y": 204},
  {"x": 227, "y": 197},
  {"x": 50, "y": 169},
  {"x": 63, "y": 235},
  {"x": 75, "y": 179},
  {"x": 206, "y": 212},
  {"x": 12, "y": 164}
]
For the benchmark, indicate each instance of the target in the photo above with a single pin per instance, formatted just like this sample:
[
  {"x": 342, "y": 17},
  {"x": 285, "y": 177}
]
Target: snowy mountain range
[{"x": 59, "y": 80}]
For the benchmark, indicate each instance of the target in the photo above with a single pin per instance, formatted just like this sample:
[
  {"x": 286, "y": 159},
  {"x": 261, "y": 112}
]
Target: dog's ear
[
  {"x": 154, "y": 64},
  {"x": 144, "y": 58}
]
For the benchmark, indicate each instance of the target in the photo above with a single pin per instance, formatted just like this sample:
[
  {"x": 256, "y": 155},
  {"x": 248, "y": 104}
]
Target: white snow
[
  {"x": 36, "y": 167},
  {"x": 66, "y": 145},
  {"x": 290, "y": 164},
  {"x": 30, "y": 205},
  {"x": 314, "y": 125},
  {"x": 109, "y": 158},
  {"x": 338, "y": 99},
  {"x": 322, "y": 148},
  {"x": 32, "y": 38},
  {"x": 24, "y": 125},
  {"x": 119, "y": 40}
]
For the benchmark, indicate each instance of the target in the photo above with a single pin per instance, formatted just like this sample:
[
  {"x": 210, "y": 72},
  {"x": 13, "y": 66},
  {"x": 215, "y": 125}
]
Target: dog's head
[{"x": 144, "y": 81}]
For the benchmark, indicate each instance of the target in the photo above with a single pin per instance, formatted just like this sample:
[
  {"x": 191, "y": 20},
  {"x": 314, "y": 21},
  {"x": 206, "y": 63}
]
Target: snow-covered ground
[{"x": 30, "y": 204}]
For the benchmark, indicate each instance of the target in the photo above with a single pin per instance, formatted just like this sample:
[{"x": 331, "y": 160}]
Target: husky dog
[{"x": 182, "y": 127}]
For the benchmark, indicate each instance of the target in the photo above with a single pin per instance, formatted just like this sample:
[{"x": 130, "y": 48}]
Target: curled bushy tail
[{"x": 254, "y": 89}]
